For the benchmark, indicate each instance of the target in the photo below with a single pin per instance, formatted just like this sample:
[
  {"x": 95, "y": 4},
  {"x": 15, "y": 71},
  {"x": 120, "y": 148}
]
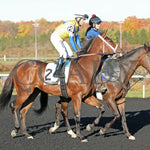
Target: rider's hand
[
  {"x": 78, "y": 53},
  {"x": 75, "y": 55}
]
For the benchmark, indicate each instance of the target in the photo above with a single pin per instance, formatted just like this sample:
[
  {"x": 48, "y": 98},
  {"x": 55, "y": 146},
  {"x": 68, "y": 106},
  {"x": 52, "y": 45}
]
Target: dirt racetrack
[{"x": 138, "y": 120}]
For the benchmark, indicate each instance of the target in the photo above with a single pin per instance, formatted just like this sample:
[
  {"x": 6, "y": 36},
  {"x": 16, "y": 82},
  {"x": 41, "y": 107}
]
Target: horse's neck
[
  {"x": 129, "y": 64},
  {"x": 95, "y": 47},
  {"x": 93, "y": 57}
]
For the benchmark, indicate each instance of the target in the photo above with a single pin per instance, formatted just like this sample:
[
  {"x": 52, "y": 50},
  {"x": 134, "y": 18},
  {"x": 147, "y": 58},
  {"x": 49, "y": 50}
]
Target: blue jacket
[{"x": 92, "y": 33}]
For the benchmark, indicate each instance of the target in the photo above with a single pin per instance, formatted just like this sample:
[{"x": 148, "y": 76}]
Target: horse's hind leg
[
  {"x": 92, "y": 101},
  {"x": 23, "y": 111},
  {"x": 121, "y": 107},
  {"x": 15, "y": 117},
  {"x": 113, "y": 107}
]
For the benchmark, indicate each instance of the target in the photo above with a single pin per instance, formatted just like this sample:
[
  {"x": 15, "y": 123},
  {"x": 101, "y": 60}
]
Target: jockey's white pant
[{"x": 61, "y": 46}]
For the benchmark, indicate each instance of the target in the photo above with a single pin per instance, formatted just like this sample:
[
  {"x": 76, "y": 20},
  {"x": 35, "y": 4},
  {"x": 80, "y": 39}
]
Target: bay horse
[
  {"x": 28, "y": 80},
  {"x": 114, "y": 97},
  {"x": 116, "y": 91}
]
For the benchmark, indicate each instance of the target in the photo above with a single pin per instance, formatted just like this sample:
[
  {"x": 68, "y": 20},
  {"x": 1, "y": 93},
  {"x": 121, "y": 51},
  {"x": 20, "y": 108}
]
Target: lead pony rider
[{"x": 68, "y": 29}]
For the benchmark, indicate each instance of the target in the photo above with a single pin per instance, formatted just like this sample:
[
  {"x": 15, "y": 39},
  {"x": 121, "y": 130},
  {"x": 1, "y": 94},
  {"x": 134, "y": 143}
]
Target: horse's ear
[{"x": 146, "y": 46}]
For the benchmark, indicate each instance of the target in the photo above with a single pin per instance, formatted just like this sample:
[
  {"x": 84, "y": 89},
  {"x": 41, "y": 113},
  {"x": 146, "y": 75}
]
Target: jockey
[
  {"x": 68, "y": 29},
  {"x": 93, "y": 30}
]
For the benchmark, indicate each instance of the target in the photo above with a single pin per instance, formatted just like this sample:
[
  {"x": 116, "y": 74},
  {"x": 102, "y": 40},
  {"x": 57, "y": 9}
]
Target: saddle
[{"x": 110, "y": 70}]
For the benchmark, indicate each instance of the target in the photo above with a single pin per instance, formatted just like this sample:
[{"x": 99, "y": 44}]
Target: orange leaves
[
  {"x": 131, "y": 24},
  {"x": 24, "y": 29}
]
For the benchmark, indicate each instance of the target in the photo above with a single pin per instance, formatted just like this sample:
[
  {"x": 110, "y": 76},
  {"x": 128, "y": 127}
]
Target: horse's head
[
  {"x": 145, "y": 59},
  {"x": 103, "y": 44}
]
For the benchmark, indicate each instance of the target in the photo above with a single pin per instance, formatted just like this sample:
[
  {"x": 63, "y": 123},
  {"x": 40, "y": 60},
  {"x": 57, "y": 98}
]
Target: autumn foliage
[{"x": 18, "y": 38}]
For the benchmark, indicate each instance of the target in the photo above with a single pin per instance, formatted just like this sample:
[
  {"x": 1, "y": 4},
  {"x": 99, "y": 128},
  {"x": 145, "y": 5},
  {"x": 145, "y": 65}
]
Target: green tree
[
  {"x": 43, "y": 37},
  {"x": 111, "y": 34},
  {"x": 135, "y": 37},
  {"x": 142, "y": 37},
  {"x": 117, "y": 34},
  {"x": 129, "y": 38},
  {"x": 3, "y": 43},
  {"x": 148, "y": 36}
]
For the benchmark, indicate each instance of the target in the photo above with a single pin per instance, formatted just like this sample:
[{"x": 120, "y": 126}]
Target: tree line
[{"x": 134, "y": 31}]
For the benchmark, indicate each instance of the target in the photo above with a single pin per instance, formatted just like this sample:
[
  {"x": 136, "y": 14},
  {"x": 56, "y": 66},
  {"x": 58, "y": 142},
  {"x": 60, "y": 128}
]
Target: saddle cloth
[
  {"x": 49, "y": 71},
  {"x": 110, "y": 70}
]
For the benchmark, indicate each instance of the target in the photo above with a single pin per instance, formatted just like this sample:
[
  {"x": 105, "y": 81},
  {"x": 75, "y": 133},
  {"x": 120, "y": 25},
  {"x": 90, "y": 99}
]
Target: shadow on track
[{"x": 136, "y": 120}]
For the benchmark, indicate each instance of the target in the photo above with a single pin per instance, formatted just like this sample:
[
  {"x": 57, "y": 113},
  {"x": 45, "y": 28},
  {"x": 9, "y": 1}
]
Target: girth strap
[
  {"x": 123, "y": 85},
  {"x": 63, "y": 84}
]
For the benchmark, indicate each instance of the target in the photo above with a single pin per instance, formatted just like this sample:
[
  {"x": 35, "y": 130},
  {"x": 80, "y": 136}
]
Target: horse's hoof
[
  {"x": 84, "y": 140},
  {"x": 30, "y": 137},
  {"x": 131, "y": 138},
  {"x": 53, "y": 129},
  {"x": 73, "y": 135},
  {"x": 13, "y": 133},
  {"x": 101, "y": 131},
  {"x": 88, "y": 127}
]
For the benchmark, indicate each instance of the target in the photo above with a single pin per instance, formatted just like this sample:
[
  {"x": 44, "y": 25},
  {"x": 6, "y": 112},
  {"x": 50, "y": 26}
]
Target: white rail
[{"x": 142, "y": 77}]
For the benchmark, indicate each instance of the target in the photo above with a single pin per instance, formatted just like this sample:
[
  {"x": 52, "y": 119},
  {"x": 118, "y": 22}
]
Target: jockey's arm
[
  {"x": 77, "y": 40},
  {"x": 72, "y": 42}
]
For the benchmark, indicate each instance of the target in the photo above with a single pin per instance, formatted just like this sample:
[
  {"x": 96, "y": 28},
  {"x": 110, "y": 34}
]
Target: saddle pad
[
  {"x": 49, "y": 71},
  {"x": 110, "y": 70}
]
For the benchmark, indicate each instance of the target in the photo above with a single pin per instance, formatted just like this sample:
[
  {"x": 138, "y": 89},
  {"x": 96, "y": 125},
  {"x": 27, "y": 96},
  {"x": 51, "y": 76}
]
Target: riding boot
[
  {"x": 102, "y": 87},
  {"x": 58, "y": 72}
]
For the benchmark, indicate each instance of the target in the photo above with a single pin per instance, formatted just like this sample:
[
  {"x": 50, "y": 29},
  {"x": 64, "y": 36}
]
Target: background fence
[{"x": 141, "y": 77}]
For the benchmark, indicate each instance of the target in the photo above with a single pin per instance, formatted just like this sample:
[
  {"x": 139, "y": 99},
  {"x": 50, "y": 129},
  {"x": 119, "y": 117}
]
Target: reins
[{"x": 83, "y": 55}]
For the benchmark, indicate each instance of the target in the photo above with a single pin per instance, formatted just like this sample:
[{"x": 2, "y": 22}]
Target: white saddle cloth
[{"x": 49, "y": 71}]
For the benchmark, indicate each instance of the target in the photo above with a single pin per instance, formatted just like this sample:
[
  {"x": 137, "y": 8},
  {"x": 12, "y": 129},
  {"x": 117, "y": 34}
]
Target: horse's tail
[
  {"x": 8, "y": 88},
  {"x": 43, "y": 102},
  {"x": 6, "y": 91}
]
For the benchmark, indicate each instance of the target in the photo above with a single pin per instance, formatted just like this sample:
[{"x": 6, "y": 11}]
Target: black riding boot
[{"x": 58, "y": 72}]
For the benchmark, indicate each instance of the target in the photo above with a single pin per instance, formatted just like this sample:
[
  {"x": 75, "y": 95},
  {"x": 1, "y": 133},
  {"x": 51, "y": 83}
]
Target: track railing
[{"x": 141, "y": 77}]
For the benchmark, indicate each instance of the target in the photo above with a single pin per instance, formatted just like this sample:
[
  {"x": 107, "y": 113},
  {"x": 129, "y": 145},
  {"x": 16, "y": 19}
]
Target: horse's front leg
[
  {"x": 76, "y": 101},
  {"x": 65, "y": 116},
  {"x": 62, "y": 108},
  {"x": 57, "y": 116},
  {"x": 92, "y": 101},
  {"x": 121, "y": 107}
]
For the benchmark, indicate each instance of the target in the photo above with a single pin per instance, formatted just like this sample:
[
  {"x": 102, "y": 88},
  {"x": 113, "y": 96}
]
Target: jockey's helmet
[
  {"x": 94, "y": 20},
  {"x": 85, "y": 16}
]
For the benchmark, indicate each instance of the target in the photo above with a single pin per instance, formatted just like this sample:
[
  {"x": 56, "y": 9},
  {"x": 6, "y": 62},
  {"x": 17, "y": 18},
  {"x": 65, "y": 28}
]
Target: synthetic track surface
[{"x": 138, "y": 120}]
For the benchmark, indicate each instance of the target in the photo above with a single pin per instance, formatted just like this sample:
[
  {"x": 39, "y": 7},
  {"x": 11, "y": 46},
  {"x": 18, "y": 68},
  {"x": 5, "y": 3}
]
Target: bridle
[{"x": 104, "y": 41}]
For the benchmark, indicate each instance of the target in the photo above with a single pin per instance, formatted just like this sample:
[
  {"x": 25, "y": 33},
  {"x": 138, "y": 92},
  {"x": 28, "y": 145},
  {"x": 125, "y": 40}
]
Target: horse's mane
[
  {"x": 86, "y": 44},
  {"x": 129, "y": 53}
]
